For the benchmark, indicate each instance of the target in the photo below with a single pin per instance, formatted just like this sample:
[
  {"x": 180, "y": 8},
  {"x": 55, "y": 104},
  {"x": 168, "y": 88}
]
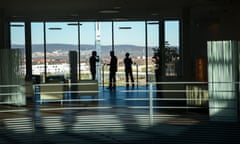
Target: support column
[
  {"x": 28, "y": 50},
  {"x": 162, "y": 47},
  {"x": 186, "y": 50},
  {"x": 4, "y": 31},
  {"x": 73, "y": 71},
  {"x": 73, "y": 66},
  {"x": 1, "y": 28}
]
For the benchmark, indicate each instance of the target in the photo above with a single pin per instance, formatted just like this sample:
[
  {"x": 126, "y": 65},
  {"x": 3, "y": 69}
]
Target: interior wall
[
  {"x": 1, "y": 28},
  {"x": 229, "y": 25},
  {"x": 208, "y": 24}
]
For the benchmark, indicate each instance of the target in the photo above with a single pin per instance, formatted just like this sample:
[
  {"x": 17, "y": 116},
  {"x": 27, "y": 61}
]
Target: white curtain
[
  {"x": 12, "y": 90},
  {"x": 223, "y": 77}
]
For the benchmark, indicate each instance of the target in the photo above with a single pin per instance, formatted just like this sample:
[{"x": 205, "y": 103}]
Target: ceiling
[{"x": 98, "y": 9}]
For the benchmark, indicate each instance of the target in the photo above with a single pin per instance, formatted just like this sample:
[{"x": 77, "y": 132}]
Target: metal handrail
[{"x": 151, "y": 91}]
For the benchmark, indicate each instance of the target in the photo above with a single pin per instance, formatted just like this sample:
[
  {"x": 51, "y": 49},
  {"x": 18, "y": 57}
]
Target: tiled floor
[{"x": 113, "y": 117}]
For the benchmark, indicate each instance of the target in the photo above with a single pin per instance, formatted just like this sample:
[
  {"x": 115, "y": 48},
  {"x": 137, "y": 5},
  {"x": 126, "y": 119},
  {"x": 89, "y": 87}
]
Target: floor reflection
[{"x": 108, "y": 118}]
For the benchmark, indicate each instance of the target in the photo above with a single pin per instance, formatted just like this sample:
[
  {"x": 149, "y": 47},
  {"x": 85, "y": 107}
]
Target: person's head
[
  {"x": 94, "y": 53},
  {"x": 127, "y": 54}
]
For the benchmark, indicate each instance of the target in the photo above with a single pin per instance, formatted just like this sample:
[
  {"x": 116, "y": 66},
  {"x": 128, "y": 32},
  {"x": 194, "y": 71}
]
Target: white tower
[{"x": 98, "y": 49}]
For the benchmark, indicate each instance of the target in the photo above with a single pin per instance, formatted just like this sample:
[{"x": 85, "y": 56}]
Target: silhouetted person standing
[
  {"x": 92, "y": 60},
  {"x": 112, "y": 71},
  {"x": 128, "y": 69}
]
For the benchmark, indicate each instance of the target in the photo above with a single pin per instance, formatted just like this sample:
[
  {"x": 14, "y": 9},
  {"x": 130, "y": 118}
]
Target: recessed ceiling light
[
  {"x": 17, "y": 25},
  {"x": 74, "y": 15},
  {"x": 74, "y": 24},
  {"x": 124, "y": 27},
  {"x": 55, "y": 28},
  {"x": 153, "y": 23},
  {"x": 117, "y": 7},
  {"x": 155, "y": 14},
  {"x": 109, "y": 11},
  {"x": 120, "y": 19}
]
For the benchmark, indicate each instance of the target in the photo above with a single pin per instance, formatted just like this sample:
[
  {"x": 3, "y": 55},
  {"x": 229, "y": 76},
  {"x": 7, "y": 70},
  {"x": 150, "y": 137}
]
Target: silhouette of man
[
  {"x": 112, "y": 71},
  {"x": 128, "y": 69},
  {"x": 92, "y": 60}
]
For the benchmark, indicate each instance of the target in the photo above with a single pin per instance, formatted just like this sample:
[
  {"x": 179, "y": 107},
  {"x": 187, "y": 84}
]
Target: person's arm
[
  {"x": 97, "y": 58},
  {"x": 131, "y": 62},
  {"x": 115, "y": 63}
]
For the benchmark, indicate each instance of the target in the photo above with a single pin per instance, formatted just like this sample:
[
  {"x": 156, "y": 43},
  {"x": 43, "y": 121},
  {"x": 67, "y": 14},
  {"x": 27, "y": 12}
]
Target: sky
[{"x": 69, "y": 34}]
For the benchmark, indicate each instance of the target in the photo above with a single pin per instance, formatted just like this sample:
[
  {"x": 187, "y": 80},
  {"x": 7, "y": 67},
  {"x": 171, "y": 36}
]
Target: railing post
[
  {"x": 36, "y": 94},
  {"x": 151, "y": 103},
  {"x": 137, "y": 74},
  {"x": 103, "y": 66}
]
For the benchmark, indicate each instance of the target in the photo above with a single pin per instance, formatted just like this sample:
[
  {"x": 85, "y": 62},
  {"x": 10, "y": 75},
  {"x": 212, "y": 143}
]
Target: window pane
[
  {"x": 172, "y": 47},
  {"x": 153, "y": 47},
  {"x": 106, "y": 47},
  {"x": 37, "y": 50},
  {"x": 17, "y": 32},
  {"x": 130, "y": 37},
  {"x": 60, "y": 39},
  {"x": 87, "y": 40}
]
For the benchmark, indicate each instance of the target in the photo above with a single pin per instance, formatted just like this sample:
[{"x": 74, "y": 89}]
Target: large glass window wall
[
  {"x": 50, "y": 48},
  {"x": 60, "y": 39},
  {"x": 52, "y": 41}
]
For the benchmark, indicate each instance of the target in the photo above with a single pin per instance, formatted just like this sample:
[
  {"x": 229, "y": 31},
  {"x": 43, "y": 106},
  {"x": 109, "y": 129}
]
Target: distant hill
[{"x": 120, "y": 50}]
